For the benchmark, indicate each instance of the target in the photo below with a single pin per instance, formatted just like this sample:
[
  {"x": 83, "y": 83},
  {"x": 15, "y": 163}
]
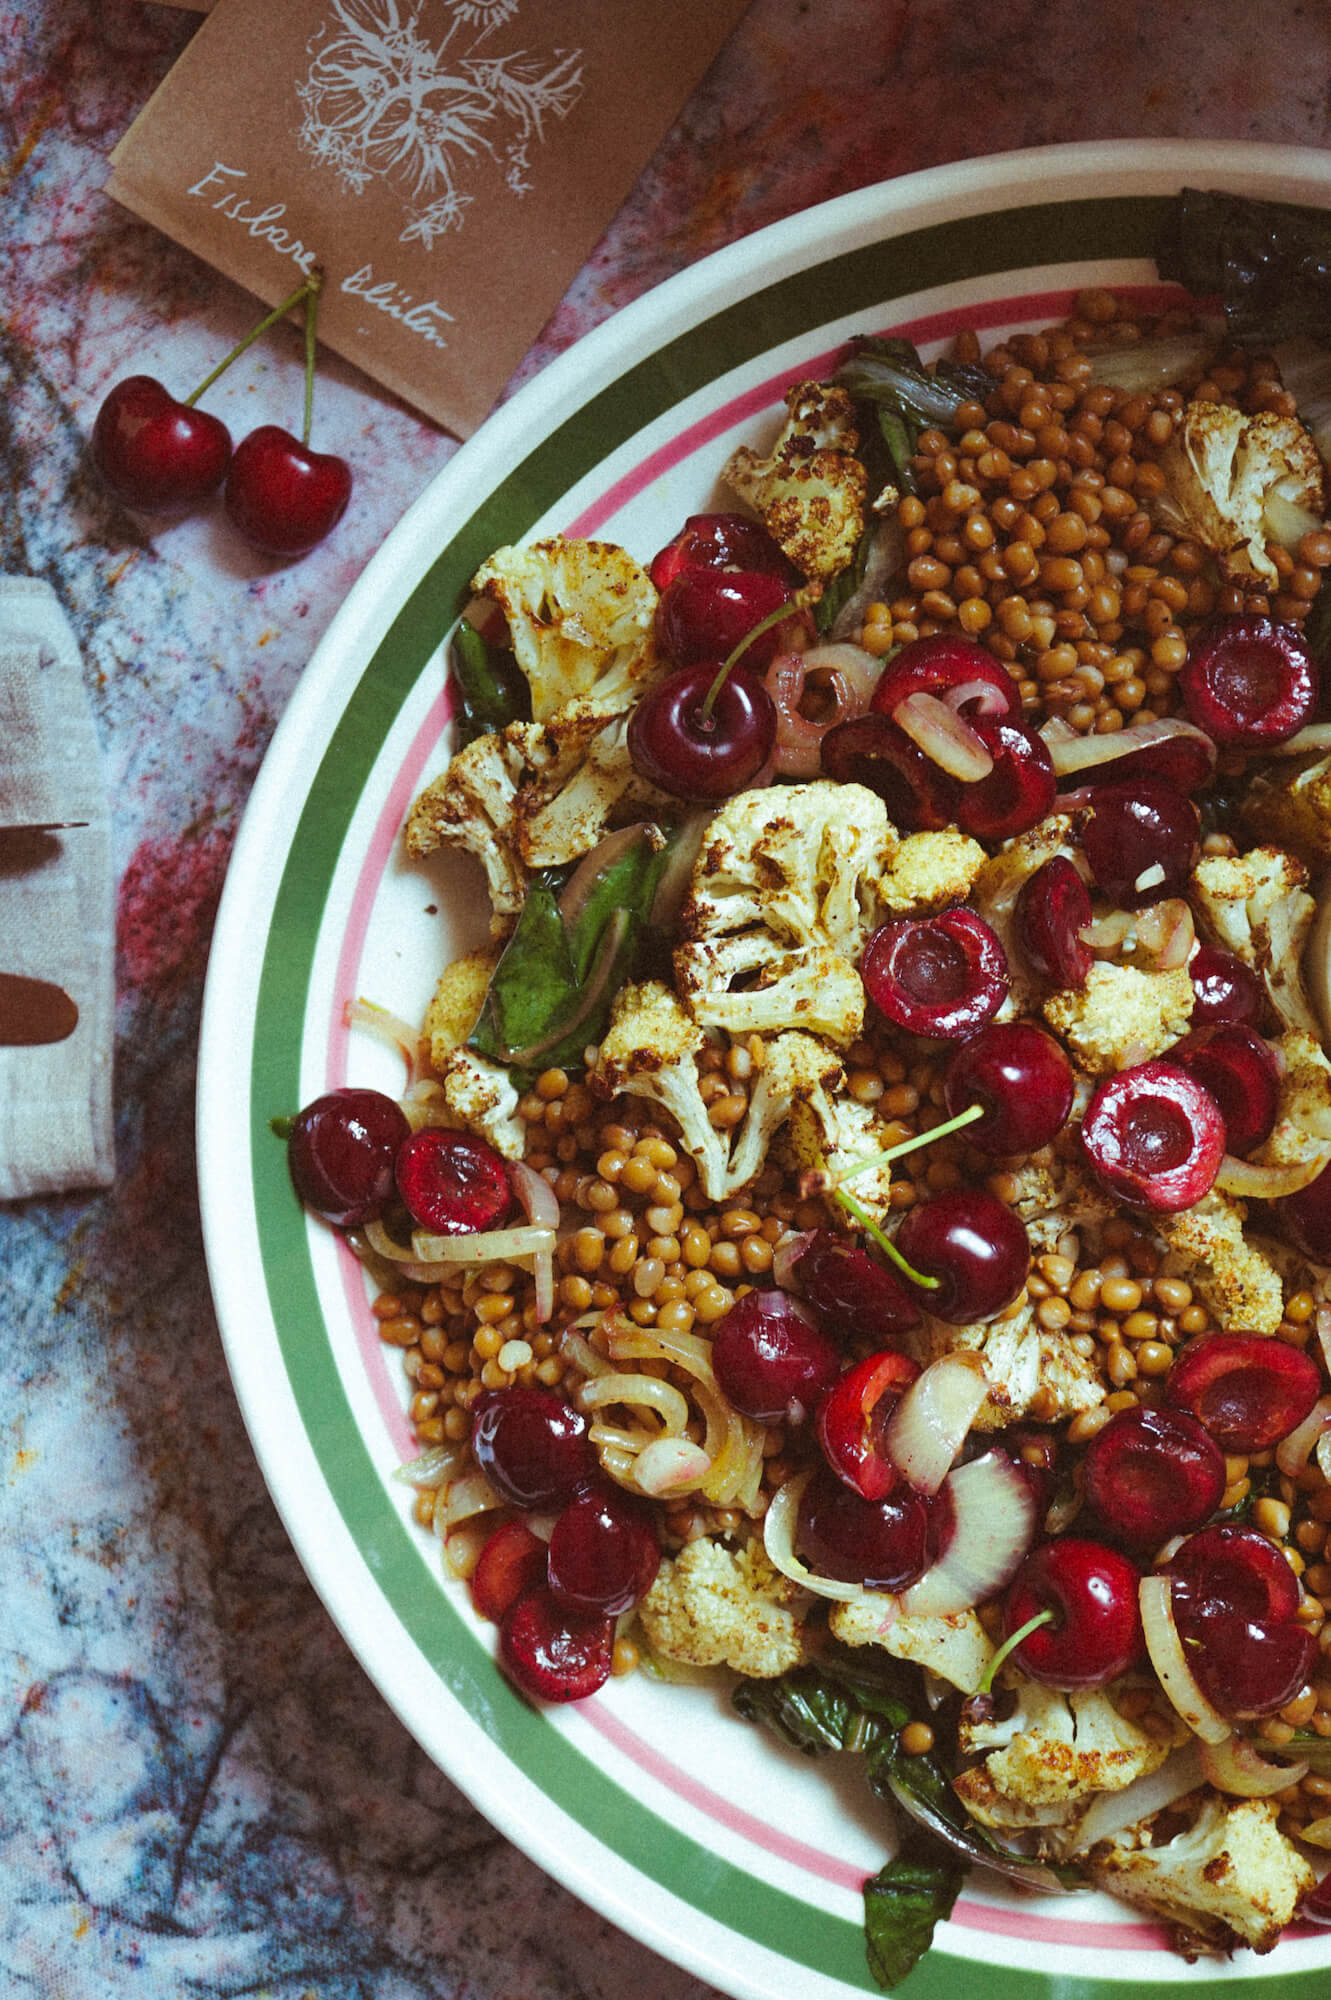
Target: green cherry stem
[
  {"x": 308, "y": 288},
  {"x": 861, "y": 1215},
  {"x": 311, "y": 321},
  {"x": 713, "y": 693},
  {"x": 1010, "y": 1645},
  {"x": 963, "y": 1118}
]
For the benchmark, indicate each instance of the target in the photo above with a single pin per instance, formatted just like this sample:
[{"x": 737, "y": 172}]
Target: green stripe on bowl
[{"x": 859, "y": 280}]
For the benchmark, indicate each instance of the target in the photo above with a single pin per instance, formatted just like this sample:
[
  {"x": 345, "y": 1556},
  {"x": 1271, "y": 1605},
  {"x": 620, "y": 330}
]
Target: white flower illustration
[{"x": 382, "y": 102}]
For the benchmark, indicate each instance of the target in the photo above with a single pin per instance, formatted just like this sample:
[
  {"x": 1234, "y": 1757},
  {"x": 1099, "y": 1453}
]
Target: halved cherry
[
  {"x": 853, "y": 1417},
  {"x": 1180, "y": 756},
  {"x": 1248, "y": 1389},
  {"x": 1095, "y": 1632},
  {"x": 1232, "y": 1571},
  {"x": 1052, "y": 910},
  {"x": 948, "y": 667},
  {"x": 1248, "y": 1667},
  {"x": 1152, "y": 1473},
  {"x": 1224, "y": 990},
  {"x": 1248, "y": 681},
  {"x": 1154, "y": 1137},
  {"x": 554, "y": 1652},
  {"x": 719, "y": 541},
  {"x": 603, "y": 1554},
  {"x": 870, "y": 750},
  {"x": 452, "y": 1182},
  {"x": 1239, "y": 1070},
  {"x": 852, "y": 1295},
  {"x": 1140, "y": 841},
  {"x": 1020, "y": 789},
  {"x": 511, "y": 1562},
  {"x": 941, "y": 976}
]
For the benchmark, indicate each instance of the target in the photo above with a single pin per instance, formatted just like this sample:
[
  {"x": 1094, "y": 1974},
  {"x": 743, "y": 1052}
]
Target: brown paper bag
[{"x": 447, "y": 163}]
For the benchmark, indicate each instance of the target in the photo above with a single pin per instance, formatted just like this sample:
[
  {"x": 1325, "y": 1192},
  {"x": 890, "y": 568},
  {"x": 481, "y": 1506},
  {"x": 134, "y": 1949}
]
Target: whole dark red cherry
[
  {"x": 941, "y": 976},
  {"x": 1140, "y": 841},
  {"x": 1248, "y": 1667},
  {"x": 341, "y": 1150},
  {"x": 1239, "y": 1070},
  {"x": 883, "y": 1544},
  {"x": 851, "y": 1294},
  {"x": 692, "y": 754},
  {"x": 1248, "y": 1389},
  {"x": 943, "y": 665},
  {"x": 1021, "y": 1078},
  {"x": 603, "y": 1555},
  {"x": 532, "y": 1446},
  {"x": 1234, "y": 1571},
  {"x": 282, "y": 496},
  {"x": 852, "y": 1421},
  {"x": 453, "y": 1183},
  {"x": 974, "y": 1245},
  {"x": 1095, "y": 1633},
  {"x": 1052, "y": 909},
  {"x": 1154, "y": 1137},
  {"x": 719, "y": 541},
  {"x": 154, "y": 452},
  {"x": 870, "y": 750},
  {"x": 770, "y": 1359},
  {"x": 1018, "y": 792},
  {"x": 1152, "y": 1473},
  {"x": 704, "y": 614},
  {"x": 1248, "y": 681},
  {"x": 1224, "y": 990},
  {"x": 1305, "y": 1218},
  {"x": 553, "y": 1651}
]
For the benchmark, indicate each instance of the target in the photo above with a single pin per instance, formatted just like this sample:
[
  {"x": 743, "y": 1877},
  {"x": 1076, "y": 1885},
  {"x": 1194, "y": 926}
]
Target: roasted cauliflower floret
[
  {"x": 1257, "y": 905},
  {"x": 1051, "y": 1756},
  {"x": 747, "y": 985},
  {"x": 809, "y": 492},
  {"x": 828, "y": 1135},
  {"x": 580, "y": 619},
  {"x": 1231, "y": 1879},
  {"x": 473, "y": 806},
  {"x": 481, "y": 1096},
  {"x": 1224, "y": 471},
  {"x": 802, "y": 861},
  {"x": 713, "y": 1606},
  {"x": 1290, "y": 803},
  {"x": 651, "y": 1050},
  {"x": 1121, "y": 1016},
  {"x": 456, "y": 1003},
  {"x": 955, "y": 1646},
  {"x": 1302, "y": 1131},
  {"x": 929, "y": 871},
  {"x": 1208, "y": 1247},
  {"x": 1032, "y": 1370}
]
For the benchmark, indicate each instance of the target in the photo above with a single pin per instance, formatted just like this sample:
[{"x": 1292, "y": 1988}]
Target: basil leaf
[
  {"x": 489, "y": 689},
  {"x": 533, "y": 987},
  {"x": 903, "y": 1903}
]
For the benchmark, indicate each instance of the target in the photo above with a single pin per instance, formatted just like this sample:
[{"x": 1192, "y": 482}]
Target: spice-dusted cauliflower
[
  {"x": 809, "y": 492},
  {"x": 1121, "y": 1016},
  {"x": 1032, "y": 1370},
  {"x": 1290, "y": 803},
  {"x": 954, "y": 1645},
  {"x": 580, "y": 618},
  {"x": 1302, "y": 1131},
  {"x": 1208, "y": 1247},
  {"x": 712, "y": 1606},
  {"x": 1257, "y": 905},
  {"x": 827, "y": 1135},
  {"x": 748, "y": 985},
  {"x": 930, "y": 870},
  {"x": 1230, "y": 1879},
  {"x": 481, "y": 1095},
  {"x": 802, "y": 861},
  {"x": 456, "y": 1003},
  {"x": 1227, "y": 474},
  {"x": 1051, "y": 1756},
  {"x": 651, "y": 1049},
  {"x": 473, "y": 806}
]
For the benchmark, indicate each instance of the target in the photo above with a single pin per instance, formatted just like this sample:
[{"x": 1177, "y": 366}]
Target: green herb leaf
[
  {"x": 842, "y": 587},
  {"x": 489, "y": 689},
  {"x": 534, "y": 986},
  {"x": 903, "y": 1904},
  {"x": 1269, "y": 262}
]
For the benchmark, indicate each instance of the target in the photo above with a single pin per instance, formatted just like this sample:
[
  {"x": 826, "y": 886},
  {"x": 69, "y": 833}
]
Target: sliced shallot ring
[
  {"x": 470, "y": 1495},
  {"x": 944, "y": 736},
  {"x": 1251, "y": 1182},
  {"x": 1106, "y": 934},
  {"x": 1295, "y": 1449},
  {"x": 930, "y": 1424},
  {"x": 1156, "y": 1596},
  {"x": 1316, "y": 737},
  {"x": 994, "y": 1519},
  {"x": 1166, "y": 933},
  {"x": 987, "y": 699},
  {"x": 670, "y": 1465},
  {"x": 1109, "y": 1812},
  {"x": 647, "y": 1392},
  {"x": 486, "y": 1246},
  {"x": 1082, "y": 753},
  {"x": 787, "y": 1255},
  {"x": 1237, "y": 1766},
  {"x": 779, "y": 1542}
]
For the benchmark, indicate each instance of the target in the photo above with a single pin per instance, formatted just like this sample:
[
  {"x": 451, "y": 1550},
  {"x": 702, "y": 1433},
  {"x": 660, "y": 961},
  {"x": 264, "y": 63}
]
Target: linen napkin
[{"x": 56, "y": 908}]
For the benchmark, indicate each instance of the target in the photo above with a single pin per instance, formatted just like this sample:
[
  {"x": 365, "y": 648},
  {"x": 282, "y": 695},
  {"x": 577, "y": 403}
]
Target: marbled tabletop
[{"x": 200, "y": 1792}]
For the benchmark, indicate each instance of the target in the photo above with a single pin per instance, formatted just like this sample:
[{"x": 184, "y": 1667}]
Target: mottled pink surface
[{"x": 199, "y": 1791}]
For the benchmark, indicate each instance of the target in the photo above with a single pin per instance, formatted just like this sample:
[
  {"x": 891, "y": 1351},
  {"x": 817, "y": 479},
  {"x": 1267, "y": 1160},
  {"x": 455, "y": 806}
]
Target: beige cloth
[{"x": 56, "y": 900}]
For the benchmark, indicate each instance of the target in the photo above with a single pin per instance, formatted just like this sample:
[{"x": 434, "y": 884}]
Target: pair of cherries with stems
[{"x": 160, "y": 455}]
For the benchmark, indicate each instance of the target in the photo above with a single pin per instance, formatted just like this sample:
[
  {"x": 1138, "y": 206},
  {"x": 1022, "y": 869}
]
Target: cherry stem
[
  {"x": 308, "y": 288},
  {"x": 1044, "y": 1617},
  {"x": 713, "y": 693},
  {"x": 884, "y": 1242},
  {"x": 311, "y": 320},
  {"x": 829, "y": 1183}
]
